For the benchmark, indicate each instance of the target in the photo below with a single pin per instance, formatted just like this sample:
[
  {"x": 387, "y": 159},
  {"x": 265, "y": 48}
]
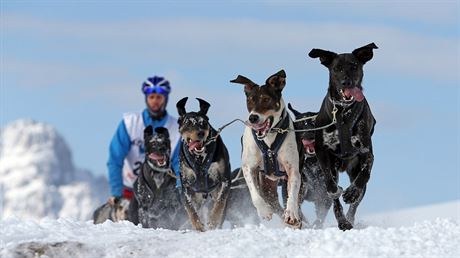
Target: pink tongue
[
  {"x": 156, "y": 156},
  {"x": 195, "y": 144},
  {"x": 355, "y": 92},
  {"x": 310, "y": 145}
]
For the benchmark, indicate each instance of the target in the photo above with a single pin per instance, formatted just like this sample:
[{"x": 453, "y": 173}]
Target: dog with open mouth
[
  {"x": 157, "y": 202},
  {"x": 344, "y": 143},
  {"x": 313, "y": 187},
  {"x": 204, "y": 168},
  {"x": 270, "y": 152}
]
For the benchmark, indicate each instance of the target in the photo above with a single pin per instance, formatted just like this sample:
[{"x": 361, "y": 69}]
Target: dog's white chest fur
[{"x": 331, "y": 139}]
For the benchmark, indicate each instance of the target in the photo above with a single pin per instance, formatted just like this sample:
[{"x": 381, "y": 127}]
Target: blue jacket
[{"x": 120, "y": 146}]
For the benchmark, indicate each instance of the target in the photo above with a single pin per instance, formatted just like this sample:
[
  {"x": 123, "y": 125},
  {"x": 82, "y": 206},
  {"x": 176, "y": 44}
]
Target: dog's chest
[
  {"x": 312, "y": 171},
  {"x": 154, "y": 203},
  {"x": 200, "y": 180},
  {"x": 331, "y": 139}
]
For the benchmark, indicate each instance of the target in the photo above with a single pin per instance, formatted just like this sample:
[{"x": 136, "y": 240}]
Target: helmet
[{"x": 156, "y": 84}]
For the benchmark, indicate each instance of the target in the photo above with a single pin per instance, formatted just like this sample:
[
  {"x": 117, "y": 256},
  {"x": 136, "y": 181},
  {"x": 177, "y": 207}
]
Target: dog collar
[
  {"x": 341, "y": 103},
  {"x": 168, "y": 171},
  {"x": 152, "y": 166}
]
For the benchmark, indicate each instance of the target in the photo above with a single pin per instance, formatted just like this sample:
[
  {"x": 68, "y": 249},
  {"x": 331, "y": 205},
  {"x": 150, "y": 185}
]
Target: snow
[
  {"x": 438, "y": 237},
  {"x": 46, "y": 204}
]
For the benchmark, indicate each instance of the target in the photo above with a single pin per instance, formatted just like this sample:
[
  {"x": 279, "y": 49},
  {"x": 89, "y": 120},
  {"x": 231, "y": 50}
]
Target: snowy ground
[{"x": 439, "y": 236}]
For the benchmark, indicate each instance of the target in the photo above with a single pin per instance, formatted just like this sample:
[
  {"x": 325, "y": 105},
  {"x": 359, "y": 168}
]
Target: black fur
[
  {"x": 346, "y": 145},
  {"x": 313, "y": 188},
  {"x": 157, "y": 200}
]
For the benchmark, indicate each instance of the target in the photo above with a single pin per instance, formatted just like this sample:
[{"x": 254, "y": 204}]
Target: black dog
[
  {"x": 313, "y": 187},
  {"x": 345, "y": 142},
  {"x": 157, "y": 199},
  {"x": 204, "y": 168}
]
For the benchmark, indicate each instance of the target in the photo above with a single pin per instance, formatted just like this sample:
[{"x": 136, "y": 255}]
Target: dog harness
[
  {"x": 200, "y": 168},
  {"x": 346, "y": 121},
  {"x": 270, "y": 154}
]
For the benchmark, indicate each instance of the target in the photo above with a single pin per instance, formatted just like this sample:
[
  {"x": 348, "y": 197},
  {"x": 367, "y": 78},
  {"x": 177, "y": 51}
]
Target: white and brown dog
[{"x": 270, "y": 154}]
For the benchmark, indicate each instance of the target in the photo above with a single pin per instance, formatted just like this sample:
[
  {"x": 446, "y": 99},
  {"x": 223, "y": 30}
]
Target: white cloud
[{"x": 249, "y": 43}]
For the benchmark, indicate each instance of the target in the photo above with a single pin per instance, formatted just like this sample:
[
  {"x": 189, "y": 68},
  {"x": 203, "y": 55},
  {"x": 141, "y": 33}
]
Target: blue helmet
[{"x": 156, "y": 84}]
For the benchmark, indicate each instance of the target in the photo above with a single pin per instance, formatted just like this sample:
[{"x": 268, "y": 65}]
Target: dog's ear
[
  {"x": 277, "y": 81},
  {"x": 295, "y": 112},
  {"x": 148, "y": 131},
  {"x": 181, "y": 106},
  {"x": 365, "y": 53},
  {"x": 326, "y": 57},
  {"x": 313, "y": 115},
  {"x": 248, "y": 84},
  {"x": 204, "y": 106},
  {"x": 162, "y": 130}
]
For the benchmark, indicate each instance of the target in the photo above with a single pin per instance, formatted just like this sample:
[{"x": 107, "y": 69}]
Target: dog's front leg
[
  {"x": 192, "y": 214},
  {"x": 291, "y": 214},
  {"x": 359, "y": 177},
  {"x": 327, "y": 164},
  {"x": 250, "y": 174},
  {"x": 361, "y": 172},
  {"x": 217, "y": 213}
]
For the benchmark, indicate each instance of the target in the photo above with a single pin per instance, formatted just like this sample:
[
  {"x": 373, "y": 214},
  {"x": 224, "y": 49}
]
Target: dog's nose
[
  {"x": 201, "y": 134},
  {"x": 346, "y": 83},
  {"x": 253, "y": 118}
]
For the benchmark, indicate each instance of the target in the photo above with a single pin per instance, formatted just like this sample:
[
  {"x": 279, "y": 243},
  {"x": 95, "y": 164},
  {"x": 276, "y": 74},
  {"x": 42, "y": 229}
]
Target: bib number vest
[{"x": 134, "y": 124}]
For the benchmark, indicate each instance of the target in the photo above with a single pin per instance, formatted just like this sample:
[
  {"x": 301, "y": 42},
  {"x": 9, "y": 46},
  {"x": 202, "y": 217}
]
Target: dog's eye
[
  {"x": 338, "y": 68},
  {"x": 265, "y": 100}
]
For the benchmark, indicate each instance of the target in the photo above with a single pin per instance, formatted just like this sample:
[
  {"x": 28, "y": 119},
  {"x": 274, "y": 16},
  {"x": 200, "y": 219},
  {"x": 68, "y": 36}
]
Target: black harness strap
[
  {"x": 345, "y": 128},
  {"x": 270, "y": 154},
  {"x": 200, "y": 168}
]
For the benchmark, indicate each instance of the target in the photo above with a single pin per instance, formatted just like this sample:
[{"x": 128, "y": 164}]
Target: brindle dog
[
  {"x": 158, "y": 199},
  {"x": 346, "y": 144},
  {"x": 204, "y": 168}
]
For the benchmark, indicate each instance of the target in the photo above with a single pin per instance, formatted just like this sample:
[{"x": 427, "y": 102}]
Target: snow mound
[
  {"x": 38, "y": 177},
  {"x": 406, "y": 217},
  {"x": 59, "y": 238}
]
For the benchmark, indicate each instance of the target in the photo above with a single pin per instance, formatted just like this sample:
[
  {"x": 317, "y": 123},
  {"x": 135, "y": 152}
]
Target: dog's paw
[
  {"x": 351, "y": 194},
  {"x": 345, "y": 225},
  {"x": 264, "y": 211},
  {"x": 292, "y": 219},
  {"x": 335, "y": 193},
  {"x": 198, "y": 226},
  {"x": 351, "y": 219}
]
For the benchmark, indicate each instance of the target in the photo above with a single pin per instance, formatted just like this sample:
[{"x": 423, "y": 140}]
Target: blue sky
[{"x": 78, "y": 65}]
